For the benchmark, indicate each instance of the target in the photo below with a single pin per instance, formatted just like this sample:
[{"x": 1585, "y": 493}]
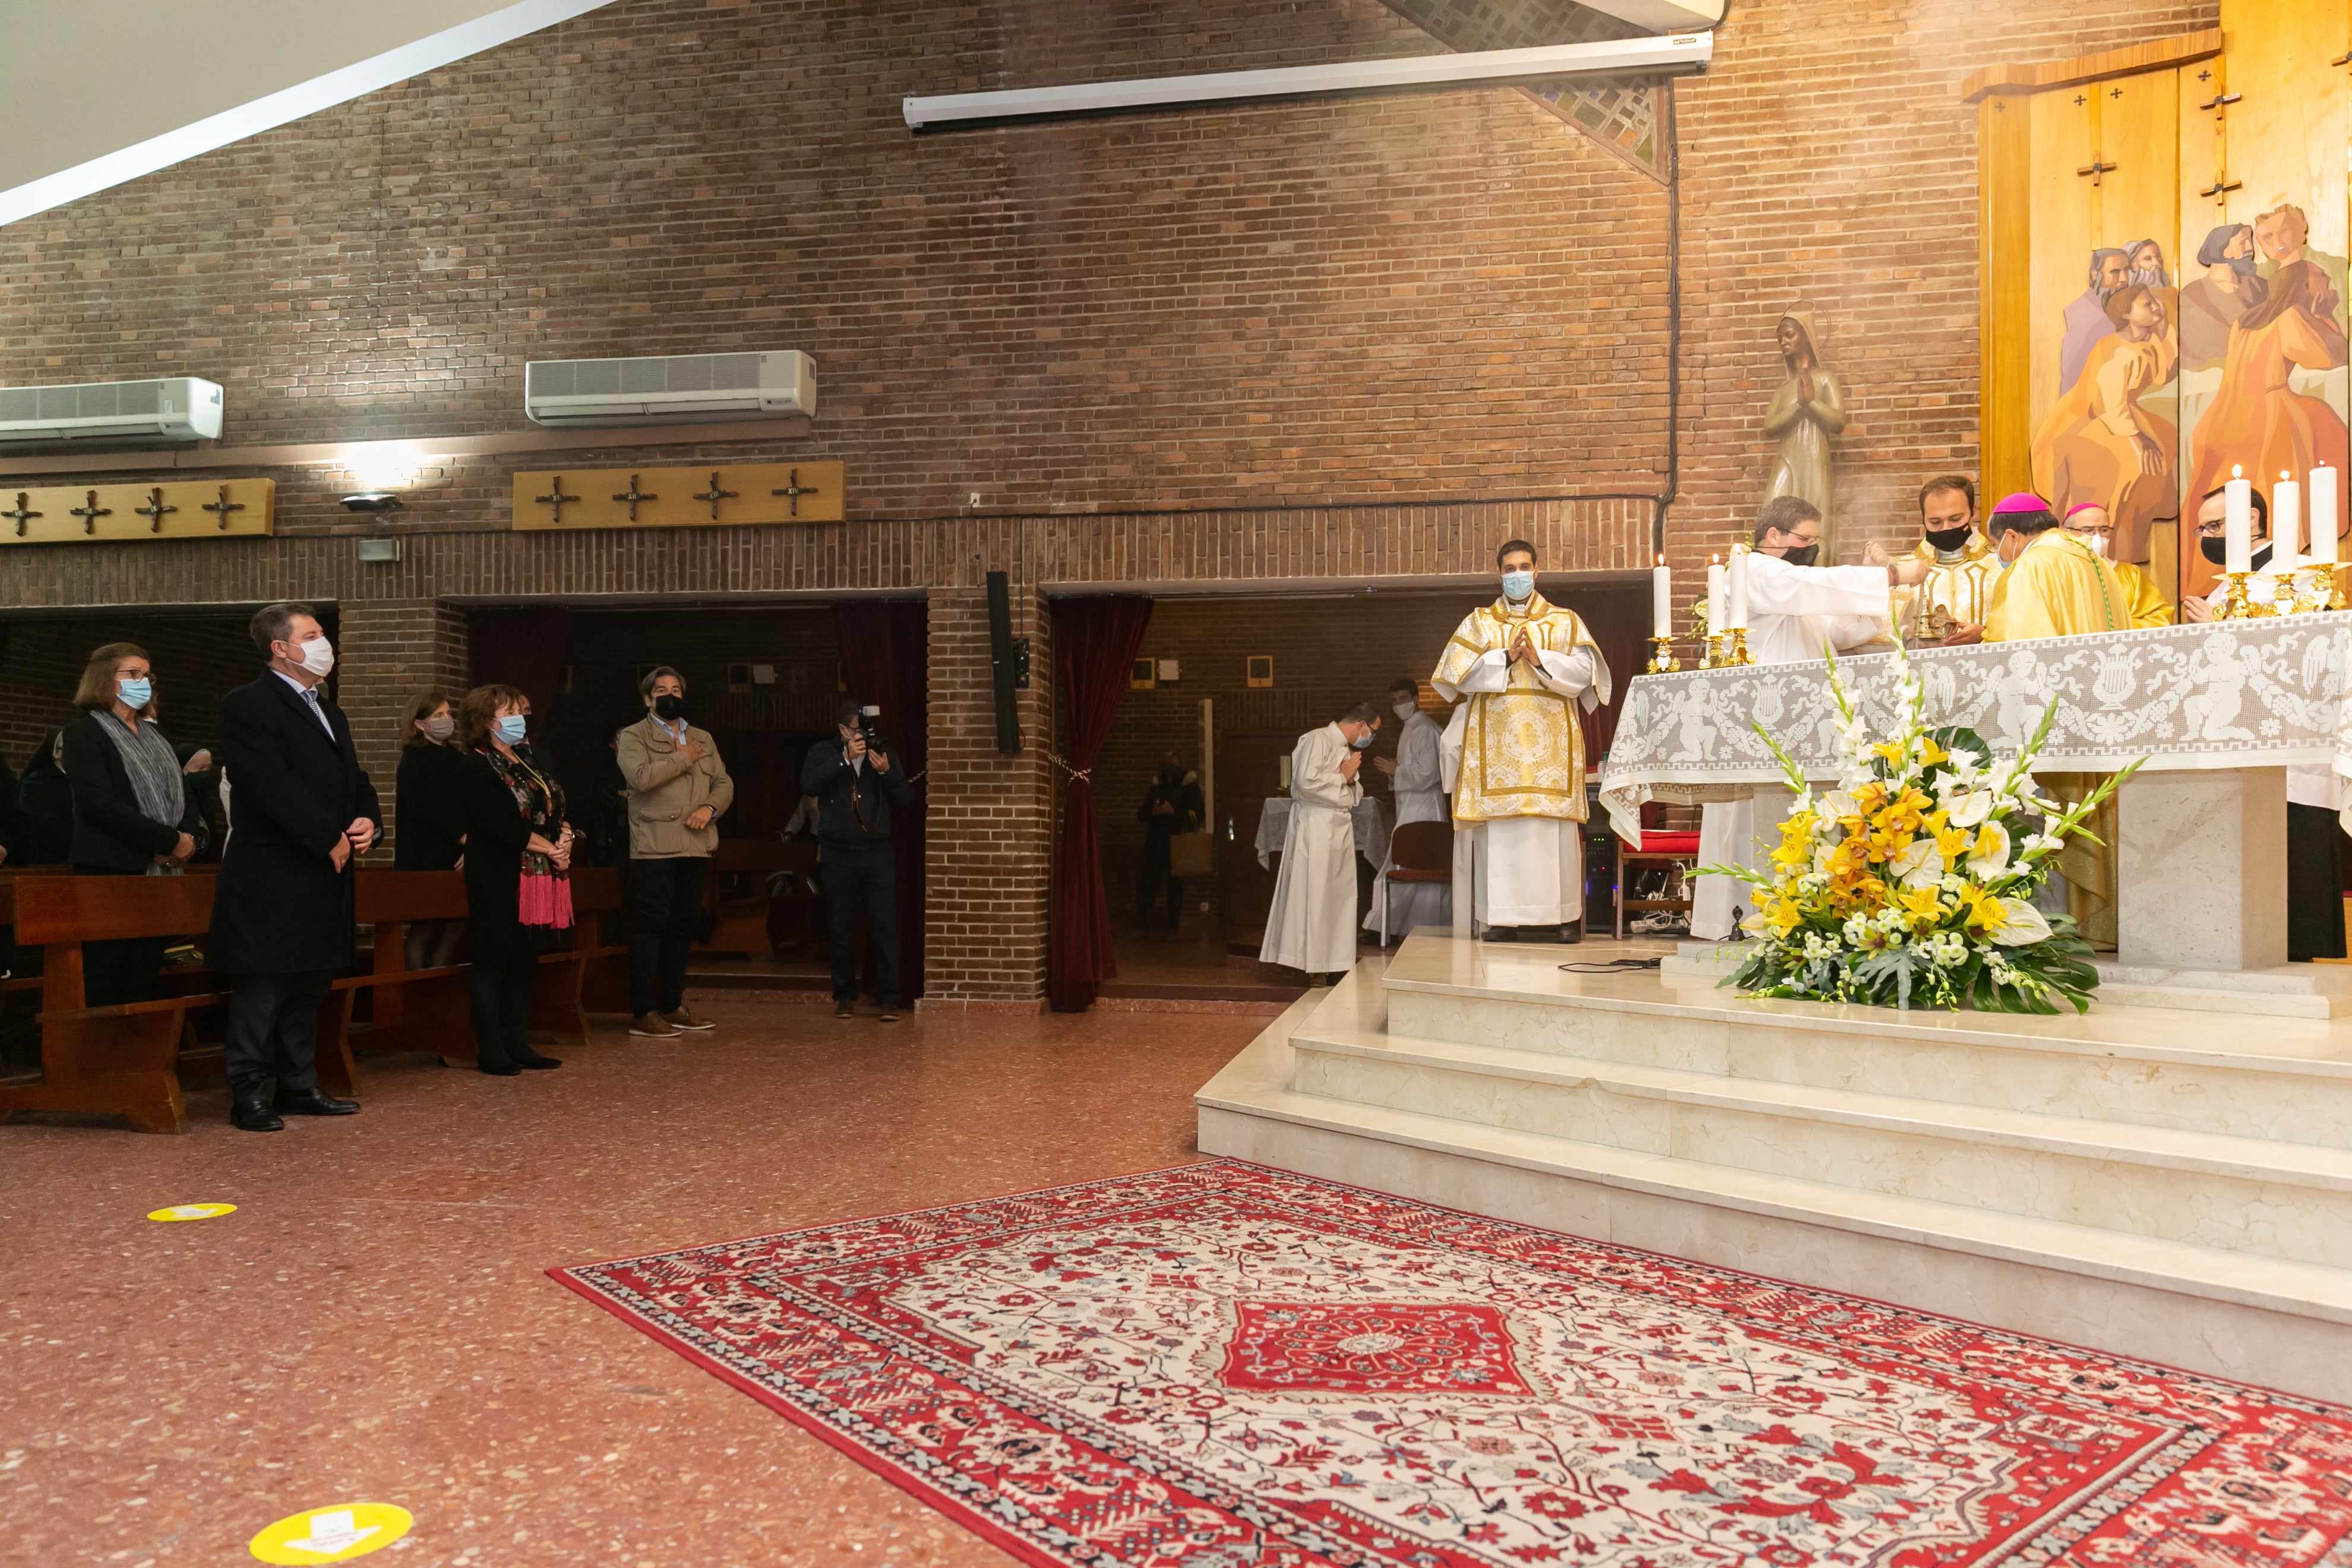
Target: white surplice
[
  {"x": 1419, "y": 784},
  {"x": 1311, "y": 924},
  {"x": 1794, "y": 613},
  {"x": 1516, "y": 870}
]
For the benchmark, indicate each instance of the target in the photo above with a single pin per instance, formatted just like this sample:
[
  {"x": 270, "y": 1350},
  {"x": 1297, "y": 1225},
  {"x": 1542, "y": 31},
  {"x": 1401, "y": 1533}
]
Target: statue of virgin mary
[{"x": 1808, "y": 409}]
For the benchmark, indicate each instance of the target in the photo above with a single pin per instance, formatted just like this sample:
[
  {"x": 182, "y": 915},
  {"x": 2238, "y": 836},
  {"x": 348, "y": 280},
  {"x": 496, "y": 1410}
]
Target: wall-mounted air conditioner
[
  {"x": 177, "y": 408},
  {"x": 687, "y": 388}
]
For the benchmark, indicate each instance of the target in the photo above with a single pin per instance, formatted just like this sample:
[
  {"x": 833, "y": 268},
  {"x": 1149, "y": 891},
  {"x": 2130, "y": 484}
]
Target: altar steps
[{"x": 2109, "y": 1181}]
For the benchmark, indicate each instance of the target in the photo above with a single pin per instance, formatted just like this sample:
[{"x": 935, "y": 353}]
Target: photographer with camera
[{"x": 855, "y": 784}]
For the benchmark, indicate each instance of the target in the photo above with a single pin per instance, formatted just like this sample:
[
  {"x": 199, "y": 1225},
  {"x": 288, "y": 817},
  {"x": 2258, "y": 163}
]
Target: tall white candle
[
  {"x": 2326, "y": 493},
  {"x": 1662, "y": 600},
  {"x": 1740, "y": 589},
  {"x": 2238, "y": 523},
  {"x": 2286, "y": 523},
  {"x": 1714, "y": 605}
]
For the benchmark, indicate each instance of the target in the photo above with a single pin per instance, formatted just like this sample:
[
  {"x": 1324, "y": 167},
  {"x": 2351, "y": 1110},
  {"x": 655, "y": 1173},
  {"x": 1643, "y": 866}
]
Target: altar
[{"x": 2219, "y": 712}]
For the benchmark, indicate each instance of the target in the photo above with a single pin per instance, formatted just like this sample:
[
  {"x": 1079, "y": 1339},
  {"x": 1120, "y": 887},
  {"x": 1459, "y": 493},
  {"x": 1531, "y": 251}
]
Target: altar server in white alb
[
  {"x": 1416, "y": 775},
  {"x": 1312, "y": 923},
  {"x": 1797, "y": 613},
  {"x": 1514, "y": 757}
]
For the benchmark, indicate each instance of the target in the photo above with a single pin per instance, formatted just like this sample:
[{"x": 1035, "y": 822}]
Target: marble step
[{"x": 2286, "y": 1080}]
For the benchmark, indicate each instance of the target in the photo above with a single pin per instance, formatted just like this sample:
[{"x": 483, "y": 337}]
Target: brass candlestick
[
  {"x": 1738, "y": 652},
  {"x": 2317, "y": 587},
  {"x": 1712, "y": 658},
  {"x": 1662, "y": 656},
  {"x": 2235, "y": 605}
]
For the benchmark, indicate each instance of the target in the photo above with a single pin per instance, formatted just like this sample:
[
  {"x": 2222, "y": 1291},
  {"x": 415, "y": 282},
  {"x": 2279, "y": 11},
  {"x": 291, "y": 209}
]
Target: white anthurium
[
  {"x": 1839, "y": 803},
  {"x": 1919, "y": 866},
  {"x": 1971, "y": 808},
  {"x": 2022, "y": 924},
  {"x": 1990, "y": 857}
]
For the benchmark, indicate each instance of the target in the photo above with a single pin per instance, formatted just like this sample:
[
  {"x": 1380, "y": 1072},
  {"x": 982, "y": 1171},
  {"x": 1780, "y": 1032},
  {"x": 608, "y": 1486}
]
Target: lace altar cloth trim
[
  {"x": 2245, "y": 694},
  {"x": 1222, "y": 1366}
]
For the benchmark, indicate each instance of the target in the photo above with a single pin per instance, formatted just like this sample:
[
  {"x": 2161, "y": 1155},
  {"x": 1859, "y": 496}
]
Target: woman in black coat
[
  {"x": 428, "y": 831},
  {"x": 45, "y": 805},
  {"x": 517, "y": 874},
  {"x": 131, "y": 815}
]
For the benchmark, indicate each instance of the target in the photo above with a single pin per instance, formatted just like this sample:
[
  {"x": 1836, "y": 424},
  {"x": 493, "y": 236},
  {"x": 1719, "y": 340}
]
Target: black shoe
[
  {"x": 255, "y": 1116},
  {"x": 312, "y": 1103},
  {"x": 497, "y": 1069},
  {"x": 889, "y": 1014},
  {"x": 844, "y": 1009},
  {"x": 538, "y": 1063},
  {"x": 1572, "y": 934}
]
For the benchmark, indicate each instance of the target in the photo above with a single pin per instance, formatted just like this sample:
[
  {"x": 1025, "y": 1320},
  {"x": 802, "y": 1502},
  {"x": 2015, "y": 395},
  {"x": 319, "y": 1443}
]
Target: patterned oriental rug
[{"x": 1218, "y": 1366}]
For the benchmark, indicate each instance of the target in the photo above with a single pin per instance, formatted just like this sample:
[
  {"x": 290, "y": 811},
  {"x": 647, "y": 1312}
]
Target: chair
[
  {"x": 1657, "y": 849},
  {"x": 1418, "y": 852}
]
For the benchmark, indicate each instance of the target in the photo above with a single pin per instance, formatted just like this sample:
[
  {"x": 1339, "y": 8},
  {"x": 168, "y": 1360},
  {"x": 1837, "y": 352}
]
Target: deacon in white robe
[
  {"x": 1797, "y": 613},
  {"x": 1416, "y": 775},
  {"x": 1513, "y": 756},
  {"x": 1311, "y": 924}
]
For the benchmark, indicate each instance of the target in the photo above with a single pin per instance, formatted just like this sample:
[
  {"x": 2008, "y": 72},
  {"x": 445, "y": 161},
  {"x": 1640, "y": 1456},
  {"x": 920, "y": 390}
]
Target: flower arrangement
[{"x": 1913, "y": 880}]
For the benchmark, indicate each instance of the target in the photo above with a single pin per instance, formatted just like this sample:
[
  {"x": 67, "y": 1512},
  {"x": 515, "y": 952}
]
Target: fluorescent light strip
[
  {"x": 287, "y": 105},
  {"x": 1685, "y": 51}
]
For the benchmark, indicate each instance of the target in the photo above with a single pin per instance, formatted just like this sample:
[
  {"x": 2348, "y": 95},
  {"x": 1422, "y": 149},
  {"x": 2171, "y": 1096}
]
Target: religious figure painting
[
  {"x": 2099, "y": 445},
  {"x": 1804, "y": 414},
  {"x": 2086, "y": 321}
]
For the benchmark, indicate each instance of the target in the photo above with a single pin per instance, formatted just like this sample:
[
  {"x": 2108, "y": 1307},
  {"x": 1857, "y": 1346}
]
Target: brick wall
[{"x": 196, "y": 659}]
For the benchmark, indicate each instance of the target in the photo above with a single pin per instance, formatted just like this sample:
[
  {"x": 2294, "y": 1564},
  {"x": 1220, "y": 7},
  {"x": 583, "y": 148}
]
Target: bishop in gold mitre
[
  {"x": 1513, "y": 756},
  {"x": 1952, "y": 599},
  {"x": 2090, "y": 523},
  {"x": 2055, "y": 585}
]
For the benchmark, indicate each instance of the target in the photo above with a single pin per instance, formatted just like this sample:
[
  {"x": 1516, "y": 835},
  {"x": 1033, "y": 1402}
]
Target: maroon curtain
[
  {"x": 885, "y": 657},
  {"x": 524, "y": 649},
  {"x": 1619, "y": 620},
  {"x": 1094, "y": 650}
]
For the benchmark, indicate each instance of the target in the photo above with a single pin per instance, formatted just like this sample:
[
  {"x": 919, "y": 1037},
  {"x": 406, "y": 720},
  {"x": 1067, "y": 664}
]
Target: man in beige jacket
[{"x": 677, "y": 790}]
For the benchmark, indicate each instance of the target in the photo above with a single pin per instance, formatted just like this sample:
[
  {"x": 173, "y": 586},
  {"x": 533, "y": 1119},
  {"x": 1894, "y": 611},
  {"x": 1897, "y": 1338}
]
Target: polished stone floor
[{"x": 373, "y": 1322}]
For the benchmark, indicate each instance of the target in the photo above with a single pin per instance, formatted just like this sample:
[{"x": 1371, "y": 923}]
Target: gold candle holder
[
  {"x": 1712, "y": 657},
  {"x": 1662, "y": 656},
  {"x": 2235, "y": 606},
  {"x": 1738, "y": 653}
]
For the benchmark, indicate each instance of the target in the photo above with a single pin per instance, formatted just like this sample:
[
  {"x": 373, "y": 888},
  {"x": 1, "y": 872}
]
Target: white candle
[
  {"x": 1662, "y": 600},
  {"x": 1740, "y": 589},
  {"x": 2286, "y": 523},
  {"x": 2325, "y": 495},
  {"x": 1713, "y": 594},
  {"x": 2238, "y": 523}
]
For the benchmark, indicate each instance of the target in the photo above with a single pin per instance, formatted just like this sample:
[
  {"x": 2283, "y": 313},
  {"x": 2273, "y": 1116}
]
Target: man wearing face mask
[
  {"x": 1951, "y": 597},
  {"x": 1171, "y": 806},
  {"x": 2052, "y": 584},
  {"x": 283, "y": 919},
  {"x": 1311, "y": 924},
  {"x": 679, "y": 789},
  {"x": 2089, "y": 523},
  {"x": 1417, "y": 778},
  {"x": 1514, "y": 757},
  {"x": 2213, "y": 543}
]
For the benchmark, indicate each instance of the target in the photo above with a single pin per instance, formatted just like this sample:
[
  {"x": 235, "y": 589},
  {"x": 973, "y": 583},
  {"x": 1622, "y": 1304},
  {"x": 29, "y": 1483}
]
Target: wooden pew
[
  {"x": 388, "y": 1006},
  {"x": 592, "y": 976},
  {"x": 119, "y": 1060}
]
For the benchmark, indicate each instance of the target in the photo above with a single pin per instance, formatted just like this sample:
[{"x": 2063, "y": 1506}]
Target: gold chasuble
[
  {"x": 1522, "y": 748},
  {"x": 1958, "y": 590},
  {"x": 2148, "y": 605}
]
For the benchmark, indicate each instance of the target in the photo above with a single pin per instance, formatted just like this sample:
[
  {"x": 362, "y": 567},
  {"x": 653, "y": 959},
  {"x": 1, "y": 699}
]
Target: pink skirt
[{"x": 544, "y": 901}]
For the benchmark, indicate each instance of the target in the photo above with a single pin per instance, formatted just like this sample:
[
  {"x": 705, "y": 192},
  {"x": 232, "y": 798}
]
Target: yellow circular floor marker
[
  {"x": 191, "y": 1211},
  {"x": 335, "y": 1535}
]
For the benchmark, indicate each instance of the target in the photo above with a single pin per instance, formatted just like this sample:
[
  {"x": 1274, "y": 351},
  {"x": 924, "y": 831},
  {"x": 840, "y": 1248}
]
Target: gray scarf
[{"x": 154, "y": 771}]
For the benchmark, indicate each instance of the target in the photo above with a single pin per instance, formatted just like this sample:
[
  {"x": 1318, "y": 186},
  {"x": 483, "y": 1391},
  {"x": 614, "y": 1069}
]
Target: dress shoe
[
  {"x": 255, "y": 1116},
  {"x": 537, "y": 1062},
  {"x": 652, "y": 1027},
  {"x": 497, "y": 1069},
  {"x": 889, "y": 1015},
  {"x": 684, "y": 1018},
  {"x": 844, "y": 1009},
  {"x": 312, "y": 1103},
  {"x": 1572, "y": 934}
]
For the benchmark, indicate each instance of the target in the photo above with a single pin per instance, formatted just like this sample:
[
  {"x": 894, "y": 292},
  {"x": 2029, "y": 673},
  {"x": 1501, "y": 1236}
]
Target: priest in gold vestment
[
  {"x": 2089, "y": 523},
  {"x": 2055, "y": 585},
  {"x": 1951, "y": 600},
  {"x": 1514, "y": 756}
]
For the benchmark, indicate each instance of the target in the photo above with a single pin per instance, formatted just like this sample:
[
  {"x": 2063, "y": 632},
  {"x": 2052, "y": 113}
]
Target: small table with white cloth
[{"x": 1371, "y": 826}]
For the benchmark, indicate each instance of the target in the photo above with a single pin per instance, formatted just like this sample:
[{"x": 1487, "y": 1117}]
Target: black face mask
[
  {"x": 1948, "y": 540},
  {"x": 667, "y": 707},
  {"x": 1801, "y": 554},
  {"x": 2217, "y": 551},
  {"x": 1171, "y": 776}
]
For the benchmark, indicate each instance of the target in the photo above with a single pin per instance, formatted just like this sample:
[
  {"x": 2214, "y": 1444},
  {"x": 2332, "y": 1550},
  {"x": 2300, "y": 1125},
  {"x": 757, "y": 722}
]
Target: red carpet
[{"x": 1217, "y": 1366}]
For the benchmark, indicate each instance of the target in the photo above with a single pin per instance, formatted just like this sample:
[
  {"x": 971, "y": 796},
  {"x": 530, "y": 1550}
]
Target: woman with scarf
[
  {"x": 517, "y": 874},
  {"x": 131, "y": 816}
]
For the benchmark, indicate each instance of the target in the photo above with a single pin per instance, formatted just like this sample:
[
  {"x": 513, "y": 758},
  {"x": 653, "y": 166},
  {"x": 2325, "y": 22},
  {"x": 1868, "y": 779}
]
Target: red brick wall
[{"x": 197, "y": 660}]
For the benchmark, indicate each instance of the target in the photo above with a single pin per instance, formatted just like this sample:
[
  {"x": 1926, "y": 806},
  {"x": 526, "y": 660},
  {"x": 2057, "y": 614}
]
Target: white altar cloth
[{"x": 1370, "y": 825}]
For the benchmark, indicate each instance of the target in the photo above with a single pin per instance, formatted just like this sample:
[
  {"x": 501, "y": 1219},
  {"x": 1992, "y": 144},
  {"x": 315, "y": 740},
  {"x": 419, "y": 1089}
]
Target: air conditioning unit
[
  {"x": 681, "y": 387},
  {"x": 177, "y": 408}
]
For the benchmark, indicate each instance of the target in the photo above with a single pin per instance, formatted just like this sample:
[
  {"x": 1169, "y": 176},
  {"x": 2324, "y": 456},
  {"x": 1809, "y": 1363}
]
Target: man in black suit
[
  {"x": 282, "y": 921},
  {"x": 855, "y": 784}
]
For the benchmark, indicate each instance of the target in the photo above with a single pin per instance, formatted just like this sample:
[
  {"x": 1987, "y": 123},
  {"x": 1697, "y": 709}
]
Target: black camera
[{"x": 869, "y": 724}]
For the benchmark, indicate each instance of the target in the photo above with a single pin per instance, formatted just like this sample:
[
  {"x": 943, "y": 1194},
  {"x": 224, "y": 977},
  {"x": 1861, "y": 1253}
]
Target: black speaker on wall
[{"x": 1008, "y": 660}]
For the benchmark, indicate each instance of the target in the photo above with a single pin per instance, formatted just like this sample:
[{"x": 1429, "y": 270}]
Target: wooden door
[{"x": 1249, "y": 769}]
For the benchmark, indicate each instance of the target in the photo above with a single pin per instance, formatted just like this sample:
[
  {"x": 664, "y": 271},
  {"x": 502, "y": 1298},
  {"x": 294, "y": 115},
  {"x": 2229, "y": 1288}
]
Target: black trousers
[
  {"x": 863, "y": 874},
  {"x": 500, "y": 989},
  {"x": 668, "y": 903},
  {"x": 2314, "y": 883},
  {"x": 1155, "y": 877},
  {"x": 273, "y": 1031}
]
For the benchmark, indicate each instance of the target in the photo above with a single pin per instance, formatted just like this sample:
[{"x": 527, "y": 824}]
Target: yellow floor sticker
[
  {"x": 332, "y": 1534},
  {"x": 192, "y": 1211}
]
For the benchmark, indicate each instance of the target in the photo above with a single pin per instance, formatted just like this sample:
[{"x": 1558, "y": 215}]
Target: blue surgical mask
[
  {"x": 1362, "y": 742},
  {"x": 136, "y": 694},
  {"x": 513, "y": 728},
  {"x": 1518, "y": 585}
]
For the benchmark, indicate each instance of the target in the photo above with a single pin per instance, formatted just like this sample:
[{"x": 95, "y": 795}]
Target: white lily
[
  {"x": 1971, "y": 808},
  {"x": 2023, "y": 924}
]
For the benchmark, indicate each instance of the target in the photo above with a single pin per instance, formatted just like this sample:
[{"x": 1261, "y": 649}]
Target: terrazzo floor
[{"x": 373, "y": 1323}]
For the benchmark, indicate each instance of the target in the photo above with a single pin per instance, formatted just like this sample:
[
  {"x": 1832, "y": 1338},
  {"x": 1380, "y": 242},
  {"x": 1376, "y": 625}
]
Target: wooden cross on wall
[
  {"x": 2096, "y": 168},
  {"x": 21, "y": 514},
  {"x": 633, "y": 496},
  {"x": 154, "y": 509},
  {"x": 223, "y": 506},
  {"x": 555, "y": 500},
  {"x": 794, "y": 489},
  {"x": 89, "y": 512},
  {"x": 714, "y": 495}
]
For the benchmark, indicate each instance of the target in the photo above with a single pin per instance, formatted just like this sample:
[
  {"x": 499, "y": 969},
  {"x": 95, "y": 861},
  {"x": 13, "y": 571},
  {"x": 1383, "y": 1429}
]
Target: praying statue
[{"x": 1803, "y": 415}]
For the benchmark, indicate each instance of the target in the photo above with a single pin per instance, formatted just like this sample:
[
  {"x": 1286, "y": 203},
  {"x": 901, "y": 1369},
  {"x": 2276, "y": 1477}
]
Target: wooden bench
[
  {"x": 578, "y": 982},
  {"x": 736, "y": 892}
]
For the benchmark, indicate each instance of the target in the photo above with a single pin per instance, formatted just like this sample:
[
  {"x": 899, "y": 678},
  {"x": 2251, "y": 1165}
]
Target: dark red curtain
[
  {"x": 886, "y": 658},
  {"x": 1095, "y": 641},
  {"x": 524, "y": 649},
  {"x": 1619, "y": 620}
]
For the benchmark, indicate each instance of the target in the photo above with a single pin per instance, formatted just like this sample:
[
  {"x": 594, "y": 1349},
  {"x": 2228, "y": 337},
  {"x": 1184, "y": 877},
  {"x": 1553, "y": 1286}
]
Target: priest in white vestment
[
  {"x": 1514, "y": 757},
  {"x": 1797, "y": 612},
  {"x": 1311, "y": 924},
  {"x": 1418, "y": 780}
]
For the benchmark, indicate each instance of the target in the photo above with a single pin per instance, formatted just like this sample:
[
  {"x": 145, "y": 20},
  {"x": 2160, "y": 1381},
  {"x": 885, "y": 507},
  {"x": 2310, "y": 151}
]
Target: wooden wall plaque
[
  {"x": 124, "y": 514},
  {"x": 679, "y": 498}
]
